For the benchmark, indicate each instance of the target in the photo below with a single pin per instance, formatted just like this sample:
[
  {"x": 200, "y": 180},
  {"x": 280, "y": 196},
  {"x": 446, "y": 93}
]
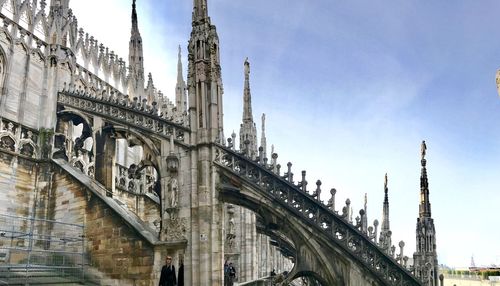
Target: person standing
[
  {"x": 167, "y": 277},
  {"x": 226, "y": 274},
  {"x": 232, "y": 274},
  {"x": 180, "y": 276}
]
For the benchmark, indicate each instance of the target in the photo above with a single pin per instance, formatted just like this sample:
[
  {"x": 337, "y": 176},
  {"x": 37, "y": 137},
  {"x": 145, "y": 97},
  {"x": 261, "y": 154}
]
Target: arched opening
[
  {"x": 74, "y": 142},
  {"x": 3, "y": 67}
]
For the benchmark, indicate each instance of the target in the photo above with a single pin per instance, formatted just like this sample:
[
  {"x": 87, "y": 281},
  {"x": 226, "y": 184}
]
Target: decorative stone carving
[{"x": 176, "y": 228}]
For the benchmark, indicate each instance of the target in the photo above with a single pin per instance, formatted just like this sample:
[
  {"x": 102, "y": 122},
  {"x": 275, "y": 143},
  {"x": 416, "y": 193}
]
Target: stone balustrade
[{"x": 117, "y": 108}]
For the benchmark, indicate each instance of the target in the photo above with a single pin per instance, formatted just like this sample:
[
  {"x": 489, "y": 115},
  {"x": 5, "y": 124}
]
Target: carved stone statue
[
  {"x": 423, "y": 149},
  {"x": 231, "y": 229},
  {"x": 385, "y": 181},
  {"x": 173, "y": 189}
]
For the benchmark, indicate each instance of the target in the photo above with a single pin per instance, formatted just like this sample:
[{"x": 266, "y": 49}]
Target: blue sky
[{"x": 350, "y": 89}]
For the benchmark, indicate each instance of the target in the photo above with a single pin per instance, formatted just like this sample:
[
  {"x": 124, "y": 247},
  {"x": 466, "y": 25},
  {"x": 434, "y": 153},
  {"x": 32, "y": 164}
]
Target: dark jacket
[{"x": 167, "y": 277}]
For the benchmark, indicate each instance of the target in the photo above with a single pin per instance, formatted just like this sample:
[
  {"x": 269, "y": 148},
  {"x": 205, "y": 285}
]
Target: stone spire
[
  {"x": 425, "y": 205},
  {"x": 385, "y": 232},
  {"x": 200, "y": 10},
  {"x": 205, "y": 101},
  {"x": 263, "y": 140},
  {"x": 135, "y": 59},
  {"x": 364, "y": 222},
  {"x": 204, "y": 82},
  {"x": 180, "y": 87},
  {"x": 425, "y": 257},
  {"x": 247, "y": 96},
  {"x": 248, "y": 130}
]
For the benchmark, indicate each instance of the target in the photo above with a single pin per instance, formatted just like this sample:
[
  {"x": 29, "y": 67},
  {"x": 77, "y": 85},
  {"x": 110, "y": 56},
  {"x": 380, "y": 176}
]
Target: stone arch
[
  {"x": 105, "y": 152},
  {"x": 317, "y": 256},
  {"x": 28, "y": 149},
  {"x": 312, "y": 277},
  {"x": 64, "y": 145}
]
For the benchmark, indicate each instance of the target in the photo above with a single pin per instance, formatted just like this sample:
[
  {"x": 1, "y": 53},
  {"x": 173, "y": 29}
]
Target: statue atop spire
[
  {"x": 385, "y": 183},
  {"x": 423, "y": 149}
]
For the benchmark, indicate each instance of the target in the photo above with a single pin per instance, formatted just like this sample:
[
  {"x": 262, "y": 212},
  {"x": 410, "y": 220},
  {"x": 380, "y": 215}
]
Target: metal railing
[{"x": 39, "y": 250}]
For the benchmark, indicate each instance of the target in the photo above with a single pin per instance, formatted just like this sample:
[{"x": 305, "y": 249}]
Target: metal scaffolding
[{"x": 36, "y": 250}]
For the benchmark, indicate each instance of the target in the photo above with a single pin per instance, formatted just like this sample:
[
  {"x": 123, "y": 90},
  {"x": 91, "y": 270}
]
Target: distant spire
[
  {"x": 385, "y": 232},
  {"x": 472, "y": 263},
  {"x": 365, "y": 216},
  {"x": 248, "y": 130},
  {"x": 385, "y": 213},
  {"x": 180, "y": 87},
  {"x": 425, "y": 205},
  {"x": 200, "y": 10},
  {"x": 263, "y": 140}
]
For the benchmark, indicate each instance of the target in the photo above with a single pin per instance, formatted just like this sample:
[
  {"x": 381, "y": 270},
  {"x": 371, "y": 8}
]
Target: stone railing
[
  {"x": 311, "y": 211},
  {"x": 119, "y": 109}
]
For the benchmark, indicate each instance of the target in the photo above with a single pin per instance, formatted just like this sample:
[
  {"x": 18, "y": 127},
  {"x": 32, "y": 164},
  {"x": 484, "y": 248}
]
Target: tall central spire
[{"x": 135, "y": 57}]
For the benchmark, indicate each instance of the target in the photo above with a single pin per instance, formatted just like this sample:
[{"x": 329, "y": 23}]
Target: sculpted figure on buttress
[{"x": 173, "y": 189}]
